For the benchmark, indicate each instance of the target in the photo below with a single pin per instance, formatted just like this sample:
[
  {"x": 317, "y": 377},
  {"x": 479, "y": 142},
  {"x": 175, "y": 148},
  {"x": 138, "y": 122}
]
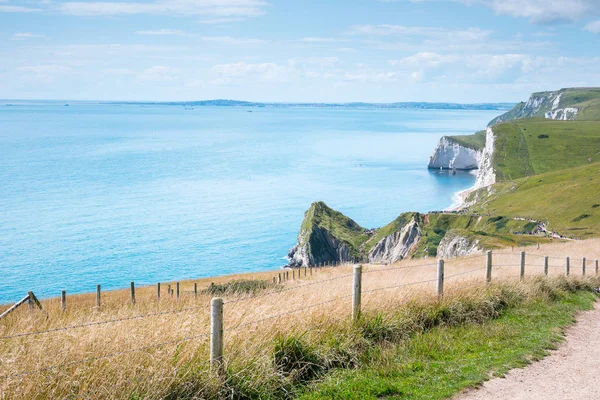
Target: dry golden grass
[{"x": 166, "y": 348}]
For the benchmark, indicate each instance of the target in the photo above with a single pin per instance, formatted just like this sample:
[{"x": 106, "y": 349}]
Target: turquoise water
[{"x": 106, "y": 194}]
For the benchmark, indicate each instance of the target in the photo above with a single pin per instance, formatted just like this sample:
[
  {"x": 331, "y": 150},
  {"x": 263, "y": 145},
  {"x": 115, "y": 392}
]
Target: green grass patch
[
  {"x": 536, "y": 146},
  {"x": 442, "y": 361},
  {"x": 475, "y": 141},
  {"x": 424, "y": 349},
  {"x": 567, "y": 199}
]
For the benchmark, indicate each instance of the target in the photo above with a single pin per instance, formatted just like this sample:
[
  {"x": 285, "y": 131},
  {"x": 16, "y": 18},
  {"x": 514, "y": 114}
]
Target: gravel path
[{"x": 569, "y": 373}]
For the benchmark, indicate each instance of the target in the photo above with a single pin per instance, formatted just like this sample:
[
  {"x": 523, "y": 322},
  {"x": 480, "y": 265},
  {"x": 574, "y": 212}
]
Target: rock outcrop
[
  {"x": 398, "y": 245},
  {"x": 550, "y": 105},
  {"x": 486, "y": 175},
  {"x": 456, "y": 245},
  {"x": 327, "y": 236},
  {"x": 449, "y": 154}
]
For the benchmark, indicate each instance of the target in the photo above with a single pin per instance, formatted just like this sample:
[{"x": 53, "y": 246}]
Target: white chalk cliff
[
  {"x": 451, "y": 155},
  {"x": 396, "y": 246},
  {"x": 486, "y": 175},
  {"x": 454, "y": 245}
]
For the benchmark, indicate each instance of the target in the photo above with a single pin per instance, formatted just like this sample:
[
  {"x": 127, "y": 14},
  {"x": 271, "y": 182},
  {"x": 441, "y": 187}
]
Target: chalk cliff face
[
  {"x": 398, "y": 245},
  {"x": 455, "y": 245},
  {"x": 550, "y": 105},
  {"x": 451, "y": 155},
  {"x": 486, "y": 175}
]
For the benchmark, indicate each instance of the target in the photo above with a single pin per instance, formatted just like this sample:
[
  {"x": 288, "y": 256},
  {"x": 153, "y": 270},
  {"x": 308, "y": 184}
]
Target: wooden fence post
[
  {"x": 310, "y": 268},
  {"x": 169, "y": 290},
  {"x": 583, "y": 266},
  {"x": 546, "y": 265},
  {"x": 33, "y": 301},
  {"x": 567, "y": 266},
  {"x": 195, "y": 289},
  {"x": 63, "y": 300},
  {"x": 177, "y": 289},
  {"x": 279, "y": 278},
  {"x": 488, "y": 266},
  {"x": 356, "y": 291},
  {"x": 440, "y": 278},
  {"x": 158, "y": 290},
  {"x": 522, "y": 275},
  {"x": 132, "y": 293},
  {"x": 596, "y": 267},
  {"x": 305, "y": 271},
  {"x": 216, "y": 334},
  {"x": 293, "y": 274},
  {"x": 30, "y": 301},
  {"x": 98, "y": 296}
]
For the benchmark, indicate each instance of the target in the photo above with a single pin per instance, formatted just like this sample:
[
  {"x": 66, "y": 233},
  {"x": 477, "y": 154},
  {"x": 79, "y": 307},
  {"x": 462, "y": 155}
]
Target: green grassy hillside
[
  {"x": 569, "y": 199},
  {"x": 491, "y": 232},
  {"x": 475, "y": 141},
  {"x": 585, "y": 100},
  {"x": 536, "y": 146}
]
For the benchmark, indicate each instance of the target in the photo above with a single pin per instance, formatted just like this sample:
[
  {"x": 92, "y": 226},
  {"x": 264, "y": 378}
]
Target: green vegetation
[
  {"x": 441, "y": 362},
  {"x": 492, "y": 232},
  {"x": 426, "y": 349},
  {"x": 320, "y": 218},
  {"x": 567, "y": 199},
  {"x": 475, "y": 141},
  {"x": 585, "y": 100},
  {"x": 520, "y": 151}
]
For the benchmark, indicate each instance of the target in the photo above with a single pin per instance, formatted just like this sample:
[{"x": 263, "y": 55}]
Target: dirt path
[{"x": 569, "y": 373}]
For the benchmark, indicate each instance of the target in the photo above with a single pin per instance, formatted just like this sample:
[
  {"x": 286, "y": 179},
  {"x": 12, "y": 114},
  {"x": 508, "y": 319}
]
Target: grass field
[
  {"x": 536, "y": 146},
  {"x": 443, "y": 361},
  {"x": 475, "y": 141},
  {"x": 278, "y": 342},
  {"x": 568, "y": 199}
]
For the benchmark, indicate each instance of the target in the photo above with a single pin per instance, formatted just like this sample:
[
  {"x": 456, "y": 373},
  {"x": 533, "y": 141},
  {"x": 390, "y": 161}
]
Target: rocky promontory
[{"x": 328, "y": 236}]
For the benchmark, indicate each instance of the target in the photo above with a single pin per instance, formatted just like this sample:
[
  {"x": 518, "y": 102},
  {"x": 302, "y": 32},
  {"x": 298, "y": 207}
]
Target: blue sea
[{"x": 108, "y": 194}]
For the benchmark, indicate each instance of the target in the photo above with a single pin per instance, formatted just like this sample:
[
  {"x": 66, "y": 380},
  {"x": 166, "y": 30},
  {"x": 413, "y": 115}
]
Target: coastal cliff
[
  {"x": 450, "y": 154},
  {"x": 564, "y": 105},
  {"x": 327, "y": 236}
]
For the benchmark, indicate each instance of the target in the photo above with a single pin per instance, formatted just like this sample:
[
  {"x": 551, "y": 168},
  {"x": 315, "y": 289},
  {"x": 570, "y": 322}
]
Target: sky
[{"x": 466, "y": 51}]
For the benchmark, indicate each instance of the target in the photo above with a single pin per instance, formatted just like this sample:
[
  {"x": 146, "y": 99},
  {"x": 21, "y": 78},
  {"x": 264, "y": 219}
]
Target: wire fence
[{"x": 216, "y": 334}]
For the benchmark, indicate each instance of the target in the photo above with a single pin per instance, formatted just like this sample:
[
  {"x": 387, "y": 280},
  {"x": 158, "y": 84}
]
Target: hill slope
[{"x": 563, "y": 104}]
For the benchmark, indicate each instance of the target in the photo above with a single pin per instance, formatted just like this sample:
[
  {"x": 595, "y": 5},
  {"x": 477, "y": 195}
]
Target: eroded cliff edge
[{"x": 327, "y": 236}]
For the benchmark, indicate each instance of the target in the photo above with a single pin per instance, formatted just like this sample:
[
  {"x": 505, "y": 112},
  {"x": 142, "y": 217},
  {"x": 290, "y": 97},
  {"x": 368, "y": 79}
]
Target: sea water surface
[{"x": 109, "y": 194}]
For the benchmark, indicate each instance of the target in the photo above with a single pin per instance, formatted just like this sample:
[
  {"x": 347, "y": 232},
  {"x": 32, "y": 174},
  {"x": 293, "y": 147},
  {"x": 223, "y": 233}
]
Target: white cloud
[
  {"x": 544, "y": 11},
  {"x": 27, "y": 35},
  {"x": 312, "y": 39},
  {"x": 46, "y": 69},
  {"x": 232, "y": 41},
  {"x": 538, "y": 11},
  {"x": 216, "y": 21},
  {"x": 471, "y": 34},
  {"x": 8, "y": 8},
  {"x": 160, "y": 74},
  {"x": 593, "y": 27},
  {"x": 43, "y": 73},
  {"x": 243, "y": 73},
  {"x": 210, "y": 8},
  {"x": 163, "y": 32}
]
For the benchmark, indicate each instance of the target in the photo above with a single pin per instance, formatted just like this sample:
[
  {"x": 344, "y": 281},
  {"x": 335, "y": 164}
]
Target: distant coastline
[{"x": 239, "y": 103}]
